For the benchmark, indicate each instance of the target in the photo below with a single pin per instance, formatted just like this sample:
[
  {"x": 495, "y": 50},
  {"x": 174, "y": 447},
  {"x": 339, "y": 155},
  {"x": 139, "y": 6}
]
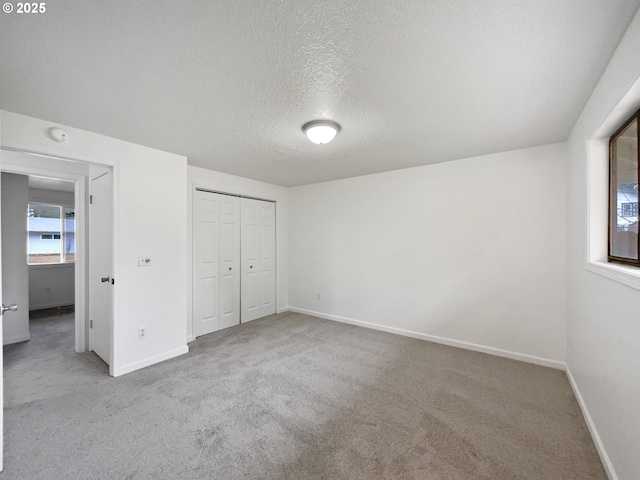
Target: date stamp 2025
[{"x": 20, "y": 7}]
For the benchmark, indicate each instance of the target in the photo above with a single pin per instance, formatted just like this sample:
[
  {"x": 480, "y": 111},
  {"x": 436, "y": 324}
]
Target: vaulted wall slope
[{"x": 603, "y": 328}]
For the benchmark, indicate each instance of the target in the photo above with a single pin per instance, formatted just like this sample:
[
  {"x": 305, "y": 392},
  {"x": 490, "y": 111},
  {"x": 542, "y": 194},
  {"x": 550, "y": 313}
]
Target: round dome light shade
[{"x": 321, "y": 131}]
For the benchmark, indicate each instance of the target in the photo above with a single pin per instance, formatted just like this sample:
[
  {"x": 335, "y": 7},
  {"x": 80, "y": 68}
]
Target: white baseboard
[
  {"x": 523, "y": 357},
  {"x": 604, "y": 457},
  {"x": 132, "y": 367},
  {"x": 16, "y": 339},
  {"x": 51, "y": 305},
  {"x": 190, "y": 338}
]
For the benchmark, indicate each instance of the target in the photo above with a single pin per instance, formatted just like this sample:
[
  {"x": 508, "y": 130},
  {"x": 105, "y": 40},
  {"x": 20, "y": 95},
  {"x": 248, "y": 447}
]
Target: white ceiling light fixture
[
  {"x": 58, "y": 135},
  {"x": 321, "y": 131}
]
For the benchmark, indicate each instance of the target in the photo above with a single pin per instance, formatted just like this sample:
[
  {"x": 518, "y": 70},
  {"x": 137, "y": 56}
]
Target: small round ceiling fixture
[
  {"x": 58, "y": 135},
  {"x": 321, "y": 131}
]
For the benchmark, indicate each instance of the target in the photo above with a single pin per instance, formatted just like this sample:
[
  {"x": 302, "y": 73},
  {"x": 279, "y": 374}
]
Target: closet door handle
[
  {"x": 250, "y": 266},
  {"x": 229, "y": 268}
]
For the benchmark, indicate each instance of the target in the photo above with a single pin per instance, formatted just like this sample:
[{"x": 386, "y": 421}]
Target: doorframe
[
  {"x": 81, "y": 199},
  {"x": 199, "y": 187}
]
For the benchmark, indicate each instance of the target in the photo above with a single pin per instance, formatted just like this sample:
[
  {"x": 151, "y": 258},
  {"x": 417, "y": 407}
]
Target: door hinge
[
  {"x": 90, "y": 323},
  {"x": 90, "y": 198}
]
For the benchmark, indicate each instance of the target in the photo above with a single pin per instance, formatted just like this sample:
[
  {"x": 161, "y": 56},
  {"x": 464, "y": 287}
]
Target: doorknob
[
  {"x": 105, "y": 279},
  {"x": 13, "y": 308}
]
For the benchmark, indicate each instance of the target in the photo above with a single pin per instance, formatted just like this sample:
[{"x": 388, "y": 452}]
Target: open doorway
[
  {"x": 51, "y": 259},
  {"x": 53, "y": 254}
]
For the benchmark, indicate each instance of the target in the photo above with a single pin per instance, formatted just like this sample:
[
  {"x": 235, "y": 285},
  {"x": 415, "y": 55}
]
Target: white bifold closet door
[
  {"x": 227, "y": 234},
  {"x": 216, "y": 269},
  {"x": 258, "y": 251}
]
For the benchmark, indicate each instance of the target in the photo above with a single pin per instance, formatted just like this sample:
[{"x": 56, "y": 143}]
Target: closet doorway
[{"x": 233, "y": 260}]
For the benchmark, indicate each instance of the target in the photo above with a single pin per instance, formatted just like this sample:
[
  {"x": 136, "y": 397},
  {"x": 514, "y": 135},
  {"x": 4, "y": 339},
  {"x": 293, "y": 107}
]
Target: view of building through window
[
  {"x": 624, "y": 194},
  {"x": 51, "y": 234}
]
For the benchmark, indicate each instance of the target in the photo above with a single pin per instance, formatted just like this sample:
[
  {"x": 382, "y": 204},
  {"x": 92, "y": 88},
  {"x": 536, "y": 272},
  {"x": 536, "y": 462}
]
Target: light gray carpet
[{"x": 291, "y": 397}]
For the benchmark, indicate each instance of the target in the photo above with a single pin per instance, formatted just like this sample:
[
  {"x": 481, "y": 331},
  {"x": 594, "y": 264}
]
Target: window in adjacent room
[
  {"x": 51, "y": 234},
  {"x": 623, "y": 193}
]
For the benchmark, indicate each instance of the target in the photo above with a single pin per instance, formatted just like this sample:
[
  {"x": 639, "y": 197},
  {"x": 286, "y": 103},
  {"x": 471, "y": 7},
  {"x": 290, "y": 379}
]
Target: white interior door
[
  {"x": 101, "y": 266},
  {"x": 1, "y": 357},
  {"x": 257, "y": 253},
  {"x": 229, "y": 261},
  {"x": 206, "y": 265}
]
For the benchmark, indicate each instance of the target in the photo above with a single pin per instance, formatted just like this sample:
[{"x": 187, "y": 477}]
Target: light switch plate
[{"x": 144, "y": 261}]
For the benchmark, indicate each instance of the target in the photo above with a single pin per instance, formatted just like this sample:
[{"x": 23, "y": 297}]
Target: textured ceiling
[{"x": 230, "y": 83}]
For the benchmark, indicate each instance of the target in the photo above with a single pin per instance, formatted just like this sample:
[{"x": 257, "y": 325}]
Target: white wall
[
  {"x": 470, "y": 251},
  {"x": 15, "y": 275},
  {"x": 150, "y": 200},
  {"x": 603, "y": 327},
  {"x": 51, "y": 285},
  {"x": 224, "y": 183},
  {"x": 41, "y": 195}
]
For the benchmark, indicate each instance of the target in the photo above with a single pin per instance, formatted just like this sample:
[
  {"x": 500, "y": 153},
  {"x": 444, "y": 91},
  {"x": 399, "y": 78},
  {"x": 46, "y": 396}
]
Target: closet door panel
[
  {"x": 227, "y": 237},
  {"x": 226, "y": 297},
  {"x": 258, "y": 259},
  {"x": 268, "y": 253},
  {"x": 250, "y": 292},
  {"x": 229, "y": 261},
  {"x": 267, "y": 290},
  {"x": 250, "y": 253},
  {"x": 249, "y": 258},
  {"x": 206, "y": 269},
  {"x": 209, "y": 304}
]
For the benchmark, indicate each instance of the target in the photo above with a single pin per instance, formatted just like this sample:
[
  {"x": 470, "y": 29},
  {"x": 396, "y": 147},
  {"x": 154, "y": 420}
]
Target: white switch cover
[{"x": 144, "y": 261}]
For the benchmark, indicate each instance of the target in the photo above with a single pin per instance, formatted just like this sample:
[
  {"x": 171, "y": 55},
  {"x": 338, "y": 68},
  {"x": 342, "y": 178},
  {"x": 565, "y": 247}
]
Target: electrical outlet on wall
[{"x": 142, "y": 333}]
